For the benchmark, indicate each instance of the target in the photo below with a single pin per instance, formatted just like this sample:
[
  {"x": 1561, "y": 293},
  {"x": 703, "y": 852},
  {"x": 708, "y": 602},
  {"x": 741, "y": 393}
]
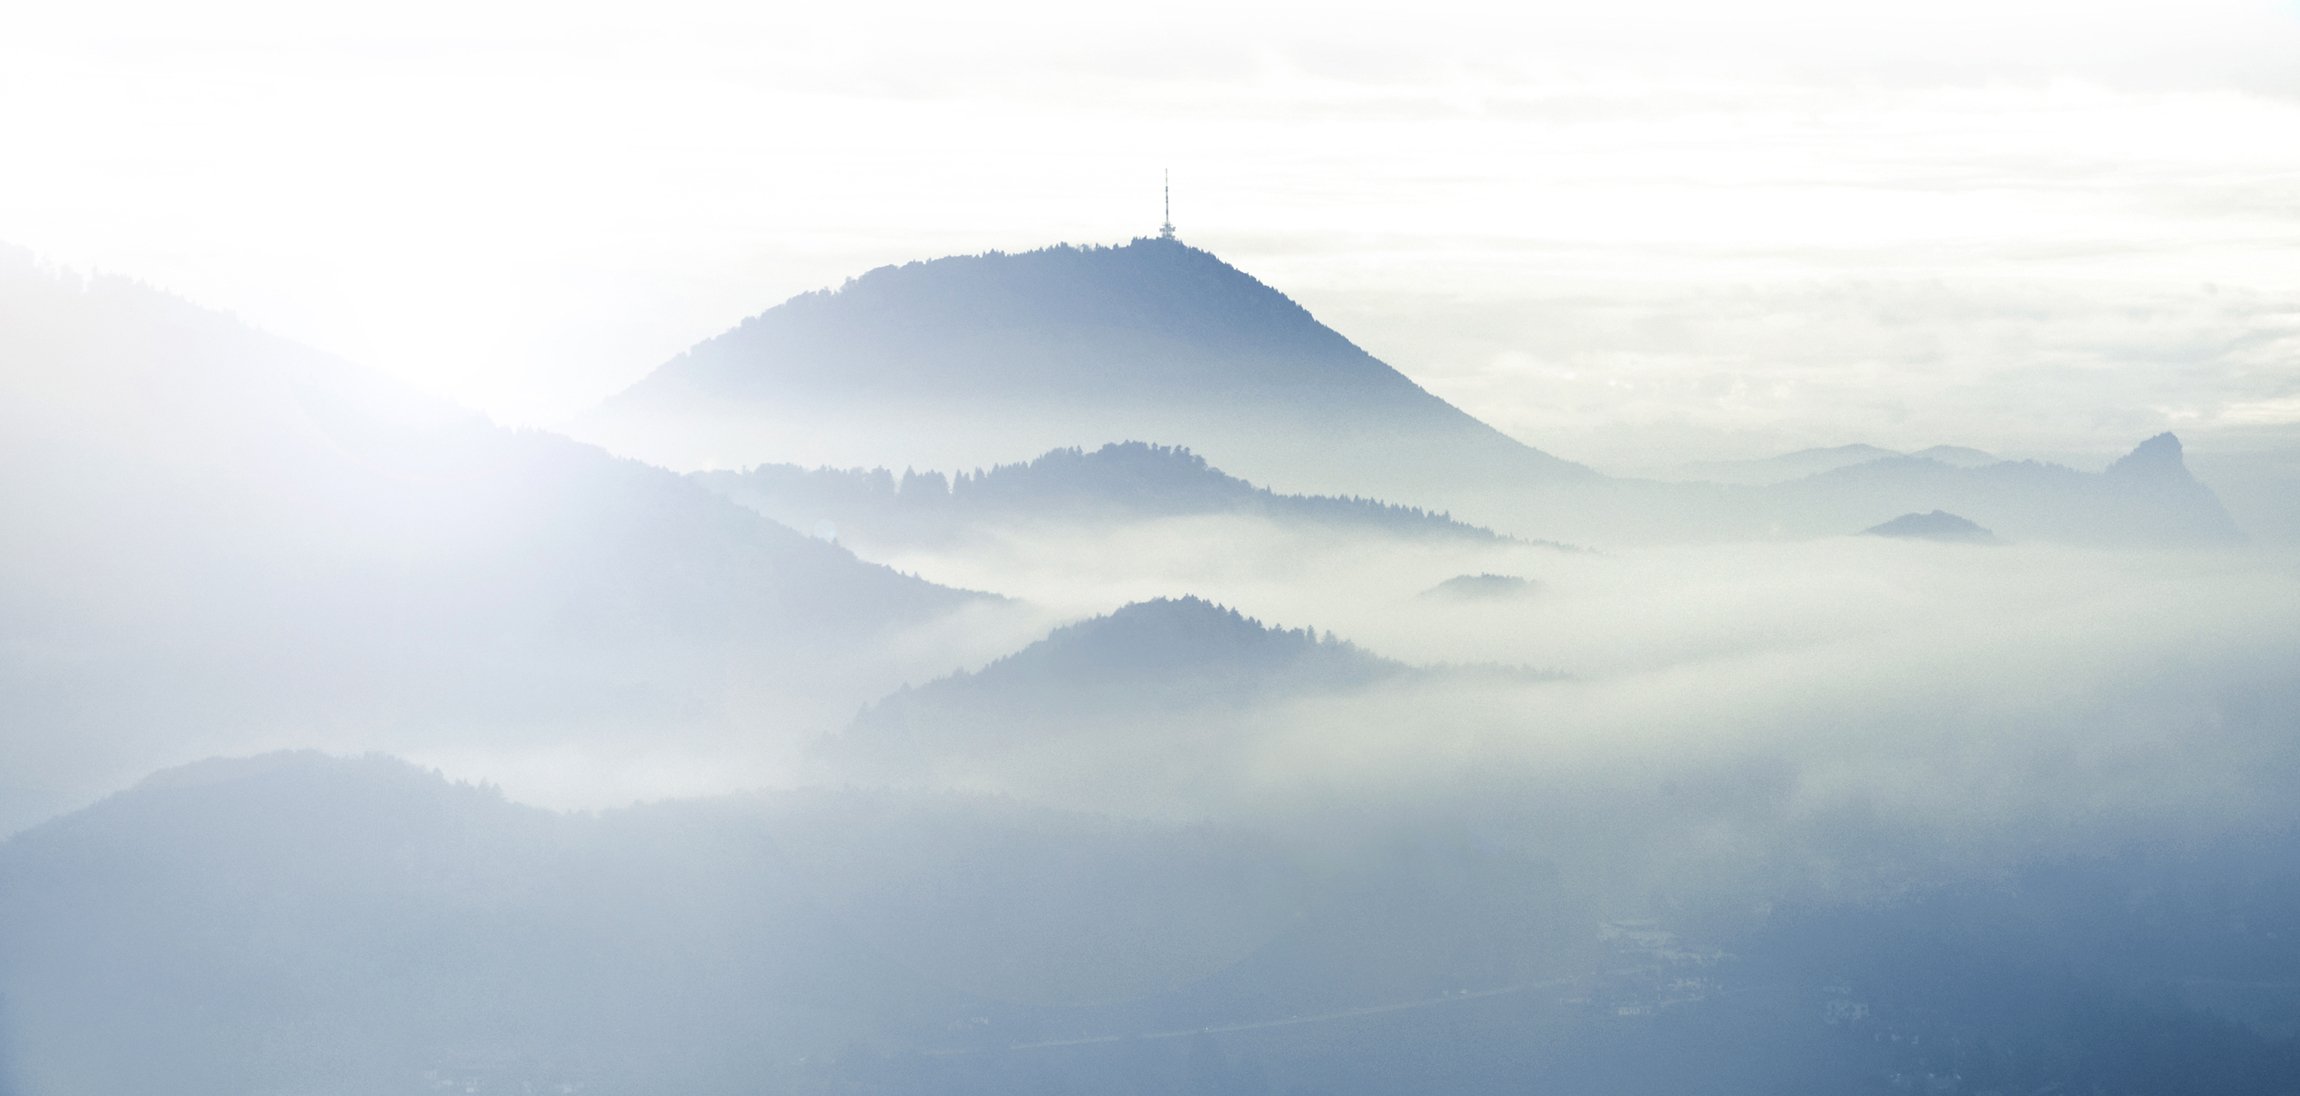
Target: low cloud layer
[{"x": 1837, "y": 715}]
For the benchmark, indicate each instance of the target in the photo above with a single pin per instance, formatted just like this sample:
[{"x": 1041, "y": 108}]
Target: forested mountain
[
  {"x": 1160, "y": 674},
  {"x": 1073, "y": 488},
  {"x": 1176, "y": 687},
  {"x": 295, "y": 922},
  {"x": 216, "y": 536},
  {"x": 979, "y": 360},
  {"x": 1186, "y": 646}
]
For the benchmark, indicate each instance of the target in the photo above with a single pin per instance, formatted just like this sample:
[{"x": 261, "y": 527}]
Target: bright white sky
[{"x": 1626, "y": 232}]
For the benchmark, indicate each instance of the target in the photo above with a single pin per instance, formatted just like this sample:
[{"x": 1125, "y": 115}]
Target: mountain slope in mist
[
  {"x": 978, "y": 360},
  {"x": 1160, "y": 684},
  {"x": 294, "y": 922},
  {"x": 301, "y": 923},
  {"x": 1149, "y": 658},
  {"x": 1069, "y": 488},
  {"x": 1173, "y": 686},
  {"x": 216, "y": 536}
]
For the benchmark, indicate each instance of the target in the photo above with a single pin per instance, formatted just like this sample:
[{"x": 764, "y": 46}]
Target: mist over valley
[{"x": 1081, "y": 669}]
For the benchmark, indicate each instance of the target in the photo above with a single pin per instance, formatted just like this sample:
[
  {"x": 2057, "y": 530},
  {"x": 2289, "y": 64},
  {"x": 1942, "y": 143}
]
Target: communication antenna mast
[{"x": 1166, "y": 230}]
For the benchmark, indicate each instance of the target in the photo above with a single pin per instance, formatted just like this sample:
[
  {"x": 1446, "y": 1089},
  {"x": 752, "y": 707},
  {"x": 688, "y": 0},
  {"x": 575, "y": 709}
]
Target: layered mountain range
[
  {"x": 241, "y": 536},
  {"x": 1103, "y": 489},
  {"x": 1164, "y": 848},
  {"x": 983, "y": 360}
]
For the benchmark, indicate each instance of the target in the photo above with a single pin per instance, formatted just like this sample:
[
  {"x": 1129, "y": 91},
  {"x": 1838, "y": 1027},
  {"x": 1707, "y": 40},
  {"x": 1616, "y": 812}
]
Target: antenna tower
[{"x": 1166, "y": 230}]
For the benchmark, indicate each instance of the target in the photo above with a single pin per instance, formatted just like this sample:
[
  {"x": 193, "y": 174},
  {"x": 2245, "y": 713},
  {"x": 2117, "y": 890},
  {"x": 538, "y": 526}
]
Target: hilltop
[
  {"x": 1113, "y": 685},
  {"x": 1191, "y": 651},
  {"x": 978, "y": 360}
]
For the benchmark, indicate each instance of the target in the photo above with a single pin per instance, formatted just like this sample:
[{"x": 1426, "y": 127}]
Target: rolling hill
[{"x": 1171, "y": 693}]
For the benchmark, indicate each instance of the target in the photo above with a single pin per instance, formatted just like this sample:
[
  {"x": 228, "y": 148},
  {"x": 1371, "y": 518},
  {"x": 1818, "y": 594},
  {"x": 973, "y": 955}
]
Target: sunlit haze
[
  {"x": 1630, "y": 234},
  {"x": 1187, "y": 549}
]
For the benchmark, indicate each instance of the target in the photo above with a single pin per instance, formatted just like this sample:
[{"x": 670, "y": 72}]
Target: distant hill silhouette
[
  {"x": 985, "y": 359},
  {"x": 1073, "y": 487},
  {"x": 213, "y": 533},
  {"x": 1481, "y": 587},
  {"x": 1812, "y": 462},
  {"x": 2146, "y": 498},
  {"x": 1956, "y": 455},
  {"x": 1787, "y": 466},
  {"x": 1938, "y": 525}
]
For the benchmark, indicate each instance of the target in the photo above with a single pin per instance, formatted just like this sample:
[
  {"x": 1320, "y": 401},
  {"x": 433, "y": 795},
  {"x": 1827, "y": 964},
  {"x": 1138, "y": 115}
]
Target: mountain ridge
[{"x": 1121, "y": 480}]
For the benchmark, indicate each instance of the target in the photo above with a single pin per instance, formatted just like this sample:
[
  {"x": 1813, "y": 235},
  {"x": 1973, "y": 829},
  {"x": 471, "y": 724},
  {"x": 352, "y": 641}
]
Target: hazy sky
[{"x": 1625, "y": 232}]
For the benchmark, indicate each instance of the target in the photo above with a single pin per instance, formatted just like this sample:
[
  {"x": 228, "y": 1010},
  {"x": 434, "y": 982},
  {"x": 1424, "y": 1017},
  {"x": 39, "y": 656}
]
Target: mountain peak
[
  {"x": 2159, "y": 457},
  {"x": 979, "y": 360},
  {"x": 916, "y": 317}
]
